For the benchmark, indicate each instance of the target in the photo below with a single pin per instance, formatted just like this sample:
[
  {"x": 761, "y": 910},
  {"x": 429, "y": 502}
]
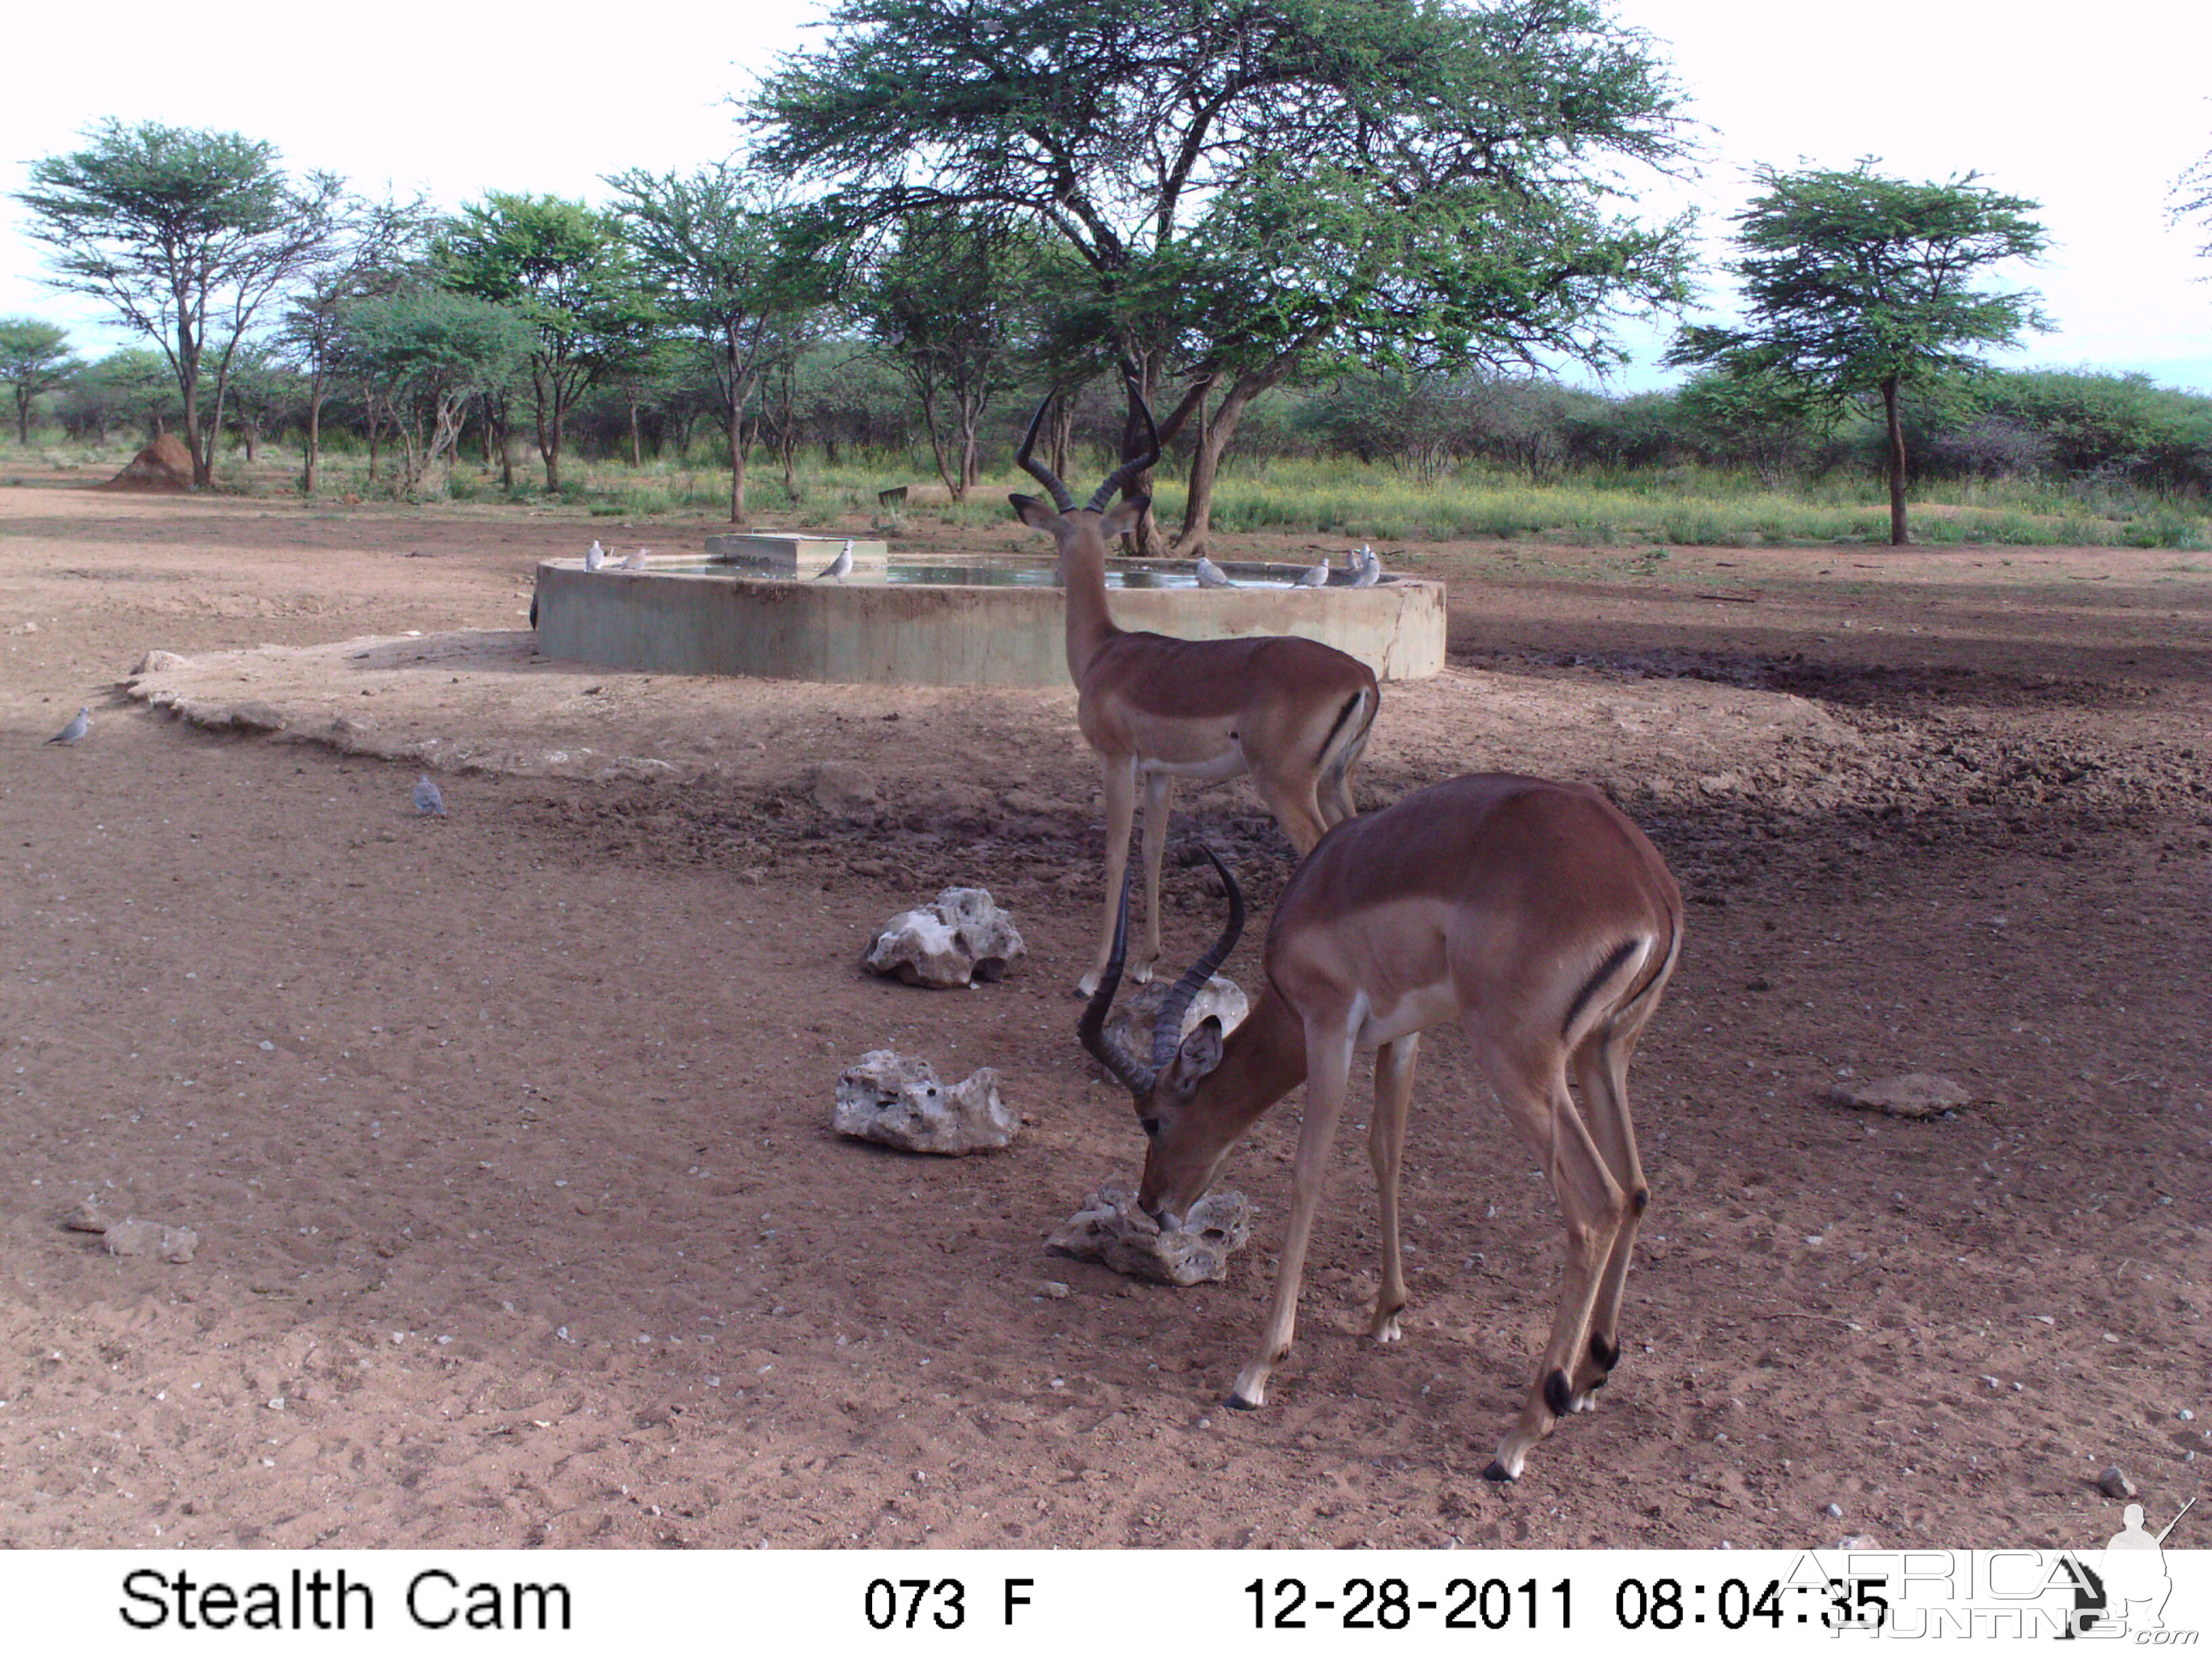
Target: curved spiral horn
[
  {"x": 1135, "y": 1076},
  {"x": 1038, "y": 469},
  {"x": 1105, "y": 496},
  {"x": 1167, "y": 1026}
]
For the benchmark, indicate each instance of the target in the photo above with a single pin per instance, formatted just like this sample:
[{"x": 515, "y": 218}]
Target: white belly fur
[{"x": 1215, "y": 768}]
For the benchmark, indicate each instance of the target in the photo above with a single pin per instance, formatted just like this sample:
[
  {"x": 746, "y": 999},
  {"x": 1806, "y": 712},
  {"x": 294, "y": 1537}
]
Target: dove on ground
[
  {"x": 839, "y": 566},
  {"x": 1371, "y": 569},
  {"x": 75, "y": 730},
  {"x": 1211, "y": 574},
  {"x": 428, "y": 801},
  {"x": 595, "y": 556},
  {"x": 1316, "y": 577},
  {"x": 637, "y": 561}
]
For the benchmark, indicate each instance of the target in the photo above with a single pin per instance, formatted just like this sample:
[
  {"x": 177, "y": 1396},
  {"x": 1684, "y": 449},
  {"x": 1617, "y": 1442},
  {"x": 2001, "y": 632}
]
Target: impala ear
[
  {"x": 1123, "y": 518},
  {"x": 1037, "y": 514},
  {"x": 1200, "y": 1053}
]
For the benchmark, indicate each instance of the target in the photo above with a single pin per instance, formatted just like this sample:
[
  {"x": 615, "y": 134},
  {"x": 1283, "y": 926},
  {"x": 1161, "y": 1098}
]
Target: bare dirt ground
[{"x": 506, "y": 1135}]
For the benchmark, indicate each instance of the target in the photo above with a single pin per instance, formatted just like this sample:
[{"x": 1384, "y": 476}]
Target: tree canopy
[
  {"x": 564, "y": 268},
  {"x": 426, "y": 353},
  {"x": 1856, "y": 286},
  {"x": 714, "y": 246},
  {"x": 1253, "y": 184},
  {"x": 952, "y": 303},
  {"x": 186, "y": 233},
  {"x": 35, "y": 357},
  {"x": 2192, "y": 199}
]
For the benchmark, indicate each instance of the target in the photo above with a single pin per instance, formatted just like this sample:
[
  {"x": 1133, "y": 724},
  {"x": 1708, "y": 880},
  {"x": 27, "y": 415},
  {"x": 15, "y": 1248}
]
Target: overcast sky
[{"x": 2093, "y": 110}]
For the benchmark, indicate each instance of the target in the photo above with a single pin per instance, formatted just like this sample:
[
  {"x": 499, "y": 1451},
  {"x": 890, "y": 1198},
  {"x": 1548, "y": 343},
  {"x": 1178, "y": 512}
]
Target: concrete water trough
[{"x": 938, "y": 619}]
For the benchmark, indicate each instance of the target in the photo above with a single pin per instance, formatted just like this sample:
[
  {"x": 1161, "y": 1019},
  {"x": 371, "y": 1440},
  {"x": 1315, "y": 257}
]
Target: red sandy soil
[{"x": 506, "y": 1135}]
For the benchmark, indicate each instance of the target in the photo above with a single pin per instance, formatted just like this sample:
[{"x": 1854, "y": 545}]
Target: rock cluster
[
  {"x": 887, "y": 1097},
  {"x": 132, "y": 1237},
  {"x": 1110, "y": 1229},
  {"x": 961, "y": 938}
]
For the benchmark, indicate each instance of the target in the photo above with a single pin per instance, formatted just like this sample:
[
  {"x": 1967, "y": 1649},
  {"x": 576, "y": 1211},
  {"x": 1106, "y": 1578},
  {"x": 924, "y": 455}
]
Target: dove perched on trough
[
  {"x": 75, "y": 730},
  {"x": 1356, "y": 558},
  {"x": 838, "y": 566},
  {"x": 637, "y": 561},
  {"x": 1371, "y": 569},
  {"x": 595, "y": 556},
  {"x": 1316, "y": 577},
  {"x": 429, "y": 803},
  {"x": 1211, "y": 574}
]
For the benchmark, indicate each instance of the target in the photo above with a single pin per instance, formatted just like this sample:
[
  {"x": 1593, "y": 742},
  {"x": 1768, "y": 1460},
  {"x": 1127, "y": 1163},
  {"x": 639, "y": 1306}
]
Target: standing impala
[
  {"x": 1536, "y": 915},
  {"x": 1292, "y": 712}
]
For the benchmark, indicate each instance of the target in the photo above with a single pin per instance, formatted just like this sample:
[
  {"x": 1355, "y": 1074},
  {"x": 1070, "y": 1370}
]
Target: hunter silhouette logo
[{"x": 2127, "y": 1591}]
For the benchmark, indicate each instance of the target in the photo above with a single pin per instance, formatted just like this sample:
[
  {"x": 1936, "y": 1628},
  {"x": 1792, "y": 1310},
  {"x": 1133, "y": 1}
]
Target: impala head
[
  {"x": 1097, "y": 518},
  {"x": 1184, "y": 1143}
]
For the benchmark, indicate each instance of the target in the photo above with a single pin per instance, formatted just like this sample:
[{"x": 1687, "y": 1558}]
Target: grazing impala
[
  {"x": 1536, "y": 915},
  {"x": 1292, "y": 712}
]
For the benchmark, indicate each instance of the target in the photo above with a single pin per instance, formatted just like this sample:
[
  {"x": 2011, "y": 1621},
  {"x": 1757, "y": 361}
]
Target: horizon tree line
[{"x": 1276, "y": 194}]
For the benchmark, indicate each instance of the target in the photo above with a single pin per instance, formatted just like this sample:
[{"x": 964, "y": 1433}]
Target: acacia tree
[
  {"x": 35, "y": 357},
  {"x": 372, "y": 249},
  {"x": 1252, "y": 185},
  {"x": 1858, "y": 287},
  {"x": 715, "y": 248},
  {"x": 951, "y": 304},
  {"x": 565, "y": 269},
  {"x": 185, "y": 234},
  {"x": 423, "y": 354}
]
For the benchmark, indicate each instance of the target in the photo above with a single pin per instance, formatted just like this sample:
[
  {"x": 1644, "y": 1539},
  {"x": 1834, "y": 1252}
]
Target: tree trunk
[
  {"x": 741, "y": 392},
  {"x": 936, "y": 441},
  {"x": 1898, "y": 537},
  {"x": 1060, "y": 435},
  {"x": 1144, "y": 540},
  {"x": 314, "y": 433},
  {"x": 636, "y": 454},
  {"x": 22, "y": 414},
  {"x": 195, "y": 438},
  {"x": 1213, "y": 440},
  {"x": 972, "y": 421},
  {"x": 549, "y": 449}
]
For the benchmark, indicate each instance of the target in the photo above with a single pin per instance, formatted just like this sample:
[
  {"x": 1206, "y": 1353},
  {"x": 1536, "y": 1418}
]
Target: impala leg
[
  {"x": 1295, "y": 808},
  {"x": 1328, "y": 1075},
  {"x": 1159, "y": 793},
  {"x": 1534, "y": 1091},
  {"x": 1386, "y": 1146},
  {"x": 1601, "y": 1070},
  {"x": 1119, "y": 777}
]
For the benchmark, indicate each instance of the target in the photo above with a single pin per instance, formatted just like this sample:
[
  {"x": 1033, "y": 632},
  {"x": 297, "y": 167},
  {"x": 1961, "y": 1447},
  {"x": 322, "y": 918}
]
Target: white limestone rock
[
  {"x": 1918, "y": 1094},
  {"x": 89, "y": 1216},
  {"x": 136, "y": 1237},
  {"x": 1131, "y": 1023},
  {"x": 1110, "y": 1229},
  {"x": 886, "y": 1098},
  {"x": 961, "y": 938}
]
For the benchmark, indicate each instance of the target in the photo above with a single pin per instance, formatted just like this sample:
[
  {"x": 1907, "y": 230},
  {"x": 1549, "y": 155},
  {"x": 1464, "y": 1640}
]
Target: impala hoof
[
  {"x": 1237, "y": 1402},
  {"x": 1499, "y": 1474}
]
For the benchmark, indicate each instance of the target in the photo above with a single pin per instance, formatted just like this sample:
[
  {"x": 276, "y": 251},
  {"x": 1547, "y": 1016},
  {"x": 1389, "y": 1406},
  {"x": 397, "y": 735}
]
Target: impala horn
[
  {"x": 1167, "y": 1025},
  {"x": 1038, "y": 469},
  {"x": 1135, "y": 1077},
  {"x": 1121, "y": 475}
]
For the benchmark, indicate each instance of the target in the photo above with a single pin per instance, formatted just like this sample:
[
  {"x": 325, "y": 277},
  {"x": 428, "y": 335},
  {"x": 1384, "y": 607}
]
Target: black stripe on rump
[
  {"x": 1591, "y": 986},
  {"x": 1342, "y": 715}
]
